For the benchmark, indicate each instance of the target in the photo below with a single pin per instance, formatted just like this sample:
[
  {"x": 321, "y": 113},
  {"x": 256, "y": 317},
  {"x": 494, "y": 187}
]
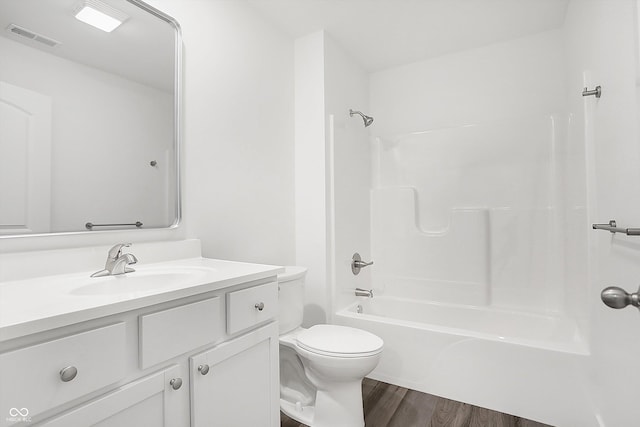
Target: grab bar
[
  {"x": 613, "y": 228},
  {"x": 90, "y": 225}
]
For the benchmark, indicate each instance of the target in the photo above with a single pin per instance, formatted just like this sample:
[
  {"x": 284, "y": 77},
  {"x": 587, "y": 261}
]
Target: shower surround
[
  {"x": 467, "y": 228},
  {"x": 476, "y": 215},
  {"x": 473, "y": 192}
]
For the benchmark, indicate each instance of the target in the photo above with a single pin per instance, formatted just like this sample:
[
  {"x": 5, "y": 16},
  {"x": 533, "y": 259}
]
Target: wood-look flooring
[{"x": 387, "y": 405}]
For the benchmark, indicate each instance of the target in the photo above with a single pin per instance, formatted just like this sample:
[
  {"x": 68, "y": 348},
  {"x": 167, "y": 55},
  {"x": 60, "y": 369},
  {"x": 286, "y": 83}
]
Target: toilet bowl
[{"x": 321, "y": 368}]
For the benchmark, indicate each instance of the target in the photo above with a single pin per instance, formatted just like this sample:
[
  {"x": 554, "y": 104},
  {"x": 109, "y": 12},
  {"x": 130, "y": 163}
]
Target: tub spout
[{"x": 364, "y": 292}]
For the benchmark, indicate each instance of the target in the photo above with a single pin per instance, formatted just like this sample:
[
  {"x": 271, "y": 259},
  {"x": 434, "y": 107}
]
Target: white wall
[
  {"x": 347, "y": 87},
  {"x": 502, "y": 80},
  {"x": 238, "y": 131},
  {"x": 99, "y": 120},
  {"x": 311, "y": 177},
  {"x": 602, "y": 50},
  {"x": 332, "y": 173}
]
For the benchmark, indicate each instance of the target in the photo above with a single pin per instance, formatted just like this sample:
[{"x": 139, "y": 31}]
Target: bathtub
[{"x": 525, "y": 364}]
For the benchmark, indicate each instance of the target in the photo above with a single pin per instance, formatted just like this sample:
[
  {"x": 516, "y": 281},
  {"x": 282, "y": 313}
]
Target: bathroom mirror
[{"x": 89, "y": 130}]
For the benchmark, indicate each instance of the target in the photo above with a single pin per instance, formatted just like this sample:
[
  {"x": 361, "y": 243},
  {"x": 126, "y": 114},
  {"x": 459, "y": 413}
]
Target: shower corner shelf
[{"x": 612, "y": 227}]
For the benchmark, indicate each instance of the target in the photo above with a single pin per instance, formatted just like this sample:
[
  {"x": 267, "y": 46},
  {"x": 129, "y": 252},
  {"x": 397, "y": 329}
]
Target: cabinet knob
[
  {"x": 203, "y": 369},
  {"x": 259, "y": 306},
  {"x": 176, "y": 383},
  {"x": 68, "y": 373}
]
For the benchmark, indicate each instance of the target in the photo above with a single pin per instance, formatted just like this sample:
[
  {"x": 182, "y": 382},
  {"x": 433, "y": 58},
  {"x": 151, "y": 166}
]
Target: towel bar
[{"x": 613, "y": 228}]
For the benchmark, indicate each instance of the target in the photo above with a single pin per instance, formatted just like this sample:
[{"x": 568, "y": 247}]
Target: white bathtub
[{"x": 529, "y": 365}]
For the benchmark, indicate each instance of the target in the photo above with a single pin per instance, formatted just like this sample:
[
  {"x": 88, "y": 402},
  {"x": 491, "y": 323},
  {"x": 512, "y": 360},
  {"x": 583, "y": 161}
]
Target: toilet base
[
  {"x": 341, "y": 407},
  {"x": 302, "y": 414}
]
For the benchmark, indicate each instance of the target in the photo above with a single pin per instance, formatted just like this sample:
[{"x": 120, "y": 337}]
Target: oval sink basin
[{"x": 144, "y": 280}]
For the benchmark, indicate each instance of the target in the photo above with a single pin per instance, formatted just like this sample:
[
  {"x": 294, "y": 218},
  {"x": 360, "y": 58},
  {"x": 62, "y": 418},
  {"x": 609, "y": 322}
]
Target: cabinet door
[
  {"x": 151, "y": 402},
  {"x": 235, "y": 384}
]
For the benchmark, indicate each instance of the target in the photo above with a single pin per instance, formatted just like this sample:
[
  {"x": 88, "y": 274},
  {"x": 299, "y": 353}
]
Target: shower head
[{"x": 367, "y": 119}]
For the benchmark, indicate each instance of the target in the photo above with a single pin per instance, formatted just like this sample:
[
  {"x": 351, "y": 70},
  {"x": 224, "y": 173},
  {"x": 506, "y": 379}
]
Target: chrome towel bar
[
  {"x": 613, "y": 227},
  {"x": 90, "y": 225}
]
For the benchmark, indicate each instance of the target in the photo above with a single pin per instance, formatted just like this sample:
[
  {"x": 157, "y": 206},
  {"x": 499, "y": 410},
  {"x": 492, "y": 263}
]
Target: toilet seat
[{"x": 339, "y": 341}]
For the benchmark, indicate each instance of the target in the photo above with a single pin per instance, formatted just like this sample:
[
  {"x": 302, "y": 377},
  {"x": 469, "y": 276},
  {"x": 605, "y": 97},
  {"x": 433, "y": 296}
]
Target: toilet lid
[{"x": 339, "y": 341}]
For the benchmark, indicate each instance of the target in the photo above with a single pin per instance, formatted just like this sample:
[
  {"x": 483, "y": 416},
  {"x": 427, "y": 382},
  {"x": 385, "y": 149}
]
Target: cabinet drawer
[
  {"x": 32, "y": 376},
  {"x": 251, "y": 306},
  {"x": 149, "y": 401},
  {"x": 175, "y": 331}
]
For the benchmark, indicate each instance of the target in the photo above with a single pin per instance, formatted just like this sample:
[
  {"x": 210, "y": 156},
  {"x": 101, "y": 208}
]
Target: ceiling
[
  {"x": 378, "y": 34},
  {"x": 125, "y": 51},
  {"x": 381, "y": 34}
]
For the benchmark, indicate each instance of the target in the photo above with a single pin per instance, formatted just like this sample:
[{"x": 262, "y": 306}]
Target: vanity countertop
[{"x": 38, "y": 304}]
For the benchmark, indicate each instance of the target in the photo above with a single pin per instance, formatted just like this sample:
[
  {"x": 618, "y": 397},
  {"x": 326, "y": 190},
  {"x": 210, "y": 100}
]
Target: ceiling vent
[{"x": 31, "y": 35}]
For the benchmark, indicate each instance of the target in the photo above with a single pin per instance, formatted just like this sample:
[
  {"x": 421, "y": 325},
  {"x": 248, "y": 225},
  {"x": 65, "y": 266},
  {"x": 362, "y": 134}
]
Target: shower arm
[{"x": 367, "y": 119}]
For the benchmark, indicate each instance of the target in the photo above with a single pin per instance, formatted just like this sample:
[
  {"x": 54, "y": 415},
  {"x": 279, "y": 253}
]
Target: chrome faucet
[
  {"x": 364, "y": 292},
  {"x": 117, "y": 262}
]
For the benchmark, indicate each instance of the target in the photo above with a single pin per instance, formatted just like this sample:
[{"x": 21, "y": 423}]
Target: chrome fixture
[
  {"x": 117, "y": 262},
  {"x": 616, "y": 297},
  {"x": 90, "y": 225},
  {"x": 259, "y": 306},
  {"x": 69, "y": 373},
  {"x": 613, "y": 228},
  {"x": 359, "y": 309},
  {"x": 175, "y": 383},
  {"x": 597, "y": 92},
  {"x": 203, "y": 369},
  {"x": 357, "y": 264},
  {"x": 364, "y": 292},
  {"x": 367, "y": 119}
]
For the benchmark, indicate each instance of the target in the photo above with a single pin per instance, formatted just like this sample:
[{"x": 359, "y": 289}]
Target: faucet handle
[
  {"x": 116, "y": 250},
  {"x": 357, "y": 264}
]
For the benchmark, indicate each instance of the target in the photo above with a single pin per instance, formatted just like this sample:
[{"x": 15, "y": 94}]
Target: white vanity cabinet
[
  {"x": 152, "y": 401},
  {"x": 209, "y": 359},
  {"x": 236, "y": 383}
]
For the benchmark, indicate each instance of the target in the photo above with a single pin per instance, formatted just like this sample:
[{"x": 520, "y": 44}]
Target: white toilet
[{"x": 321, "y": 368}]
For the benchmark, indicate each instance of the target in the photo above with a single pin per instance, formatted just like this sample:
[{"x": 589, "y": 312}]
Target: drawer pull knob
[
  {"x": 203, "y": 369},
  {"x": 176, "y": 383},
  {"x": 259, "y": 306},
  {"x": 68, "y": 373}
]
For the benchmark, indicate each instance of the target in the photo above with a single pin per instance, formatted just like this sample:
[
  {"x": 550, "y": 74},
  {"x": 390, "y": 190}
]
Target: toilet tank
[{"x": 291, "y": 298}]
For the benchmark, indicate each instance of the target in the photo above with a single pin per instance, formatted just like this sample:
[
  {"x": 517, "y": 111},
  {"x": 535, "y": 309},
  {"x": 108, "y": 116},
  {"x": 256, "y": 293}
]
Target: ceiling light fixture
[{"x": 99, "y": 15}]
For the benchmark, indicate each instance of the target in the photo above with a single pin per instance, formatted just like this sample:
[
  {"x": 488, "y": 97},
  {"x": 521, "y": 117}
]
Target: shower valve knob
[
  {"x": 357, "y": 264},
  {"x": 616, "y": 297}
]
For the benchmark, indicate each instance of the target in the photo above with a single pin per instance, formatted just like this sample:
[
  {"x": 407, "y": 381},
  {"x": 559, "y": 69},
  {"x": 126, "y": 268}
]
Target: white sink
[{"x": 139, "y": 281}]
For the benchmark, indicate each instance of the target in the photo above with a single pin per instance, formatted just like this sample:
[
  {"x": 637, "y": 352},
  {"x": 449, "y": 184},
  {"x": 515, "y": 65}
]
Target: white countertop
[{"x": 38, "y": 304}]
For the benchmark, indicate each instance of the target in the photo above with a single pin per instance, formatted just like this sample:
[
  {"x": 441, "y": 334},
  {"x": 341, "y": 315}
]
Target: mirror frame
[{"x": 177, "y": 136}]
